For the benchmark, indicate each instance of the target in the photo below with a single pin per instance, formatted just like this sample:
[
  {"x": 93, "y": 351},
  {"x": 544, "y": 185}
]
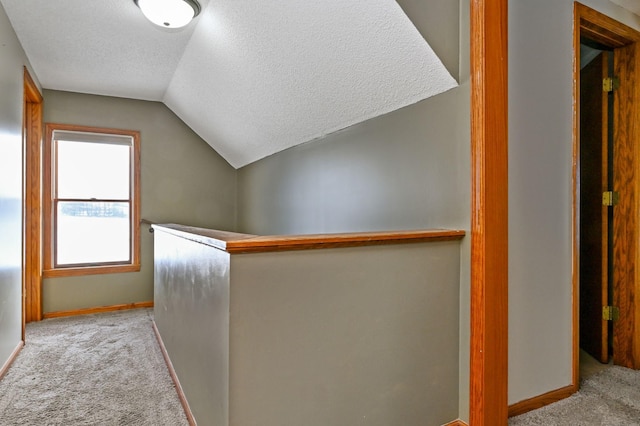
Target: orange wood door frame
[
  {"x": 489, "y": 214},
  {"x": 597, "y": 27},
  {"x": 32, "y": 210},
  {"x": 489, "y": 218}
]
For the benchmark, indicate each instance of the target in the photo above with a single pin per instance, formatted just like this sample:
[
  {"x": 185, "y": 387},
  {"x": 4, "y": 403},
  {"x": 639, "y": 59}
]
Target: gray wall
[
  {"x": 191, "y": 313},
  {"x": 336, "y": 336},
  {"x": 183, "y": 180},
  {"x": 540, "y": 161},
  {"x": 407, "y": 169},
  {"x": 12, "y": 61},
  {"x": 404, "y": 170},
  {"x": 411, "y": 169},
  {"x": 348, "y": 336}
]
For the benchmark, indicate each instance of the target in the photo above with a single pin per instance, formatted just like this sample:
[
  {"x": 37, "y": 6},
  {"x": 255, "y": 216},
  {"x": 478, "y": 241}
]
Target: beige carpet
[
  {"x": 608, "y": 397},
  {"x": 101, "y": 369}
]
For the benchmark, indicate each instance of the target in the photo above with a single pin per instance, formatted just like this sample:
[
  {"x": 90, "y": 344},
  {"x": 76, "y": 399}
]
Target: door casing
[
  {"x": 625, "y": 41},
  {"x": 32, "y": 209}
]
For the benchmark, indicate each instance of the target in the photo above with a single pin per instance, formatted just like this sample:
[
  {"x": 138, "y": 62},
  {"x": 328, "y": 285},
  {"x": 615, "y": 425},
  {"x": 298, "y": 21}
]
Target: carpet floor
[
  {"x": 610, "y": 397},
  {"x": 100, "y": 369},
  {"x": 107, "y": 369}
]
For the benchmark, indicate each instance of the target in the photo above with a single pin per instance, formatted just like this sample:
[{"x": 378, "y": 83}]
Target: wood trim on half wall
[
  {"x": 174, "y": 377},
  {"x": 489, "y": 214},
  {"x": 12, "y": 357}
]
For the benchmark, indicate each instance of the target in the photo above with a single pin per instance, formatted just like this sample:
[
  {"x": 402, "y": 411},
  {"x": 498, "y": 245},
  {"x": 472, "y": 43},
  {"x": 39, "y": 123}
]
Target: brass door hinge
[
  {"x": 610, "y": 84},
  {"x": 610, "y": 313},
  {"x": 610, "y": 198}
]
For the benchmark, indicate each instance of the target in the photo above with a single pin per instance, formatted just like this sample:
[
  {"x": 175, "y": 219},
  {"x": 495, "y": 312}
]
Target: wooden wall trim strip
[
  {"x": 90, "y": 270},
  {"x": 305, "y": 242},
  {"x": 246, "y": 243},
  {"x": 32, "y": 216},
  {"x": 32, "y": 93},
  {"x": 325, "y": 241},
  {"x": 541, "y": 400},
  {"x": 98, "y": 310},
  {"x": 12, "y": 357},
  {"x": 172, "y": 372},
  {"x": 456, "y": 423},
  {"x": 489, "y": 218}
]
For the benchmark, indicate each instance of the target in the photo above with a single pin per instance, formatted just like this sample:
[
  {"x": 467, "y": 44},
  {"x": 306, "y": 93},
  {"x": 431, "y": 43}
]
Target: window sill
[{"x": 89, "y": 270}]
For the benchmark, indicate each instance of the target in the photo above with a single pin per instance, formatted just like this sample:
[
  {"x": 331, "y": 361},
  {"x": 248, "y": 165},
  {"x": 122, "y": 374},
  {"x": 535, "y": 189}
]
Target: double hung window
[{"x": 91, "y": 201}]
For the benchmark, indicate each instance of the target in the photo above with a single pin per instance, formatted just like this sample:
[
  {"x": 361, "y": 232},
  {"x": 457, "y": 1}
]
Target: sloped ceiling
[{"x": 252, "y": 78}]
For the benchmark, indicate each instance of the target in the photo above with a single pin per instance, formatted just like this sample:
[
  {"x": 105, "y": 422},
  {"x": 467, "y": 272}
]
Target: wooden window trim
[{"x": 50, "y": 271}]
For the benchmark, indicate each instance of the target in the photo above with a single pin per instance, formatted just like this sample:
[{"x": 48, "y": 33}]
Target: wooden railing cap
[{"x": 233, "y": 242}]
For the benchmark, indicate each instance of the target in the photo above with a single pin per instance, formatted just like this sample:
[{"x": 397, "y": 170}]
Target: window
[{"x": 91, "y": 200}]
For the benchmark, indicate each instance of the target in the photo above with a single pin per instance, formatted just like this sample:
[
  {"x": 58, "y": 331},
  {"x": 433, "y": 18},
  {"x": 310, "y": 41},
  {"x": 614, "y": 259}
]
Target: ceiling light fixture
[{"x": 169, "y": 13}]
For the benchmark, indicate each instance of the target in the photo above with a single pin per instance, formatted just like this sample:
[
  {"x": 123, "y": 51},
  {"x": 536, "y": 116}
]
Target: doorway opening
[
  {"x": 606, "y": 191},
  {"x": 595, "y": 182}
]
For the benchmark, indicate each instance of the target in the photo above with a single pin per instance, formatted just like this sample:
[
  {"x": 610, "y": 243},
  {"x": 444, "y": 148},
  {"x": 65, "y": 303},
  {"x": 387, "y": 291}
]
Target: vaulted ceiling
[{"x": 252, "y": 78}]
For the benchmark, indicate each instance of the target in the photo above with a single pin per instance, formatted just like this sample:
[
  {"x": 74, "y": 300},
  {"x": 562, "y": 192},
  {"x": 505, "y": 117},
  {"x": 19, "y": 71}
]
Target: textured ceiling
[
  {"x": 103, "y": 47},
  {"x": 251, "y": 78}
]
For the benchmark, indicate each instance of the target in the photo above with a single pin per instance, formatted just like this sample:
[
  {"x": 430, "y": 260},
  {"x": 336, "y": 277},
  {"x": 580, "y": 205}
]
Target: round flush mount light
[{"x": 169, "y": 13}]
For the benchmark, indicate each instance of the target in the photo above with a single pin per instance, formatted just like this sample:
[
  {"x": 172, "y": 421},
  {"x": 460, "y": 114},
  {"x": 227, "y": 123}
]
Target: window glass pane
[
  {"x": 93, "y": 170},
  {"x": 92, "y": 232}
]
